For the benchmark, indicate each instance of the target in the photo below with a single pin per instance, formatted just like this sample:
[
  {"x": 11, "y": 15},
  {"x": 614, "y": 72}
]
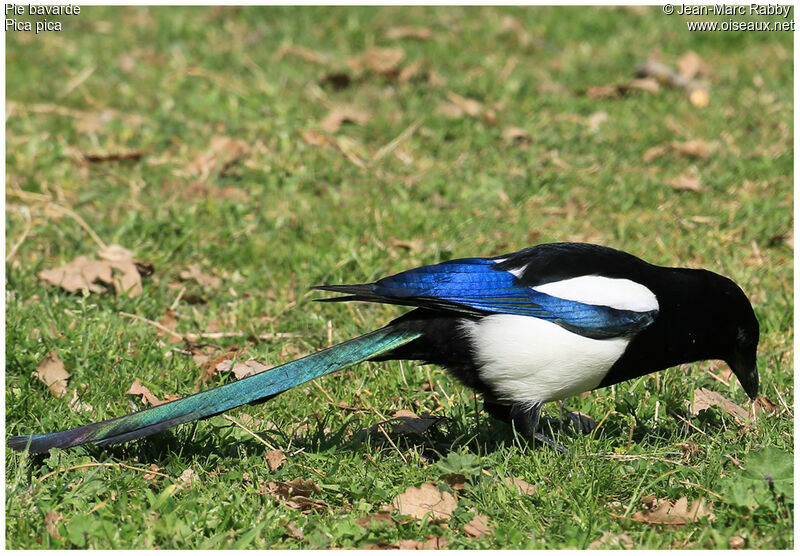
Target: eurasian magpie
[{"x": 525, "y": 328}]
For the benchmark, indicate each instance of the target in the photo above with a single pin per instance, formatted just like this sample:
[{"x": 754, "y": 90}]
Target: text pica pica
[{"x": 541, "y": 324}]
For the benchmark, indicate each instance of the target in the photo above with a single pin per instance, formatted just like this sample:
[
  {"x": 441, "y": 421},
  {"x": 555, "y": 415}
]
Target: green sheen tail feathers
[{"x": 212, "y": 402}]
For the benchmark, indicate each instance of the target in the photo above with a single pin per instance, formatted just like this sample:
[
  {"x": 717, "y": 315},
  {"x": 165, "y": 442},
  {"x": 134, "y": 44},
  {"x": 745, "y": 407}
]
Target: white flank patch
[
  {"x": 530, "y": 359},
  {"x": 619, "y": 293}
]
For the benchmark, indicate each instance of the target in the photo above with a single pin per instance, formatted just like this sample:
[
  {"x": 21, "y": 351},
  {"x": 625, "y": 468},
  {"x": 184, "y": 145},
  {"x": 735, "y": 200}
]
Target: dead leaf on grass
[
  {"x": 376, "y": 519},
  {"x": 314, "y": 138},
  {"x": 522, "y": 487},
  {"x": 685, "y": 182},
  {"x": 223, "y": 153},
  {"x": 76, "y": 405},
  {"x": 295, "y": 493},
  {"x": 114, "y": 156},
  {"x": 383, "y": 61},
  {"x": 431, "y": 542},
  {"x": 189, "y": 477},
  {"x": 207, "y": 281},
  {"x": 664, "y": 512},
  {"x": 594, "y": 120},
  {"x": 425, "y": 500},
  {"x": 408, "y": 32},
  {"x": 457, "y": 481},
  {"x": 414, "y": 244},
  {"x": 51, "y": 371},
  {"x": 646, "y": 84},
  {"x": 478, "y": 526},
  {"x": 275, "y": 458},
  {"x": 704, "y": 399},
  {"x": 341, "y": 114},
  {"x": 695, "y": 148},
  {"x": 118, "y": 269},
  {"x": 51, "y": 520},
  {"x": 458, "y": 107},
  {"x": 611, "y": 540},
  {"x": 301, "y": 52},
  {"x": 139, "y": 389},
  {"x": 512, "y": 133},
  {"x": 764, "y": 405},
  {"x": 690, "y": 64},
  {"x": 242, "y": 369}
]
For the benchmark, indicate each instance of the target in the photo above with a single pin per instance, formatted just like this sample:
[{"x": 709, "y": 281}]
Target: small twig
[
  {"x": 106, "y": 464},
  {"x": 380, "y": 428},
  {"x": 687, "y": 483},
  {"x": 251, "y": 433},
  {"x": 177, "y": 298},
  {"x": 394, "y": 143},
  {"x": 321, "y": 389},
  {"x": 783, "y": 402},
  {"x": 189, "y": 337},
  {"x": 675, "y": 414},
  {"x": 25, "y": 233}
]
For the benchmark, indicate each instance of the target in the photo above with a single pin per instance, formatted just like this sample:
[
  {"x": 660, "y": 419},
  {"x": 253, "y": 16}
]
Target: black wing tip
[{"x": 19, "y": 443}]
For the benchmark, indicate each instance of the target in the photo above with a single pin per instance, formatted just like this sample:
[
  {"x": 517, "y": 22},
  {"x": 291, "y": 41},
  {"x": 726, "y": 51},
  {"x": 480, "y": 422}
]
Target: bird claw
[{"x": 550, "y": 442}]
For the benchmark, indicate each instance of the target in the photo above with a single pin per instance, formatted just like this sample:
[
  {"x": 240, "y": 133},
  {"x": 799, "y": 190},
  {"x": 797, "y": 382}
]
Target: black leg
[{"x": 525, "y": 419}]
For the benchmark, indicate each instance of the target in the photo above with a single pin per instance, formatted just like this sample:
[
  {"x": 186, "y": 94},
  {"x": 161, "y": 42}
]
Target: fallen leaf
[
  {"x": 295, "y": 494},
  {"x": 425, "y": 500},
  {"x": 118, "y": 269},
  {"x": 611, "y": 540},
  {"x": 515, "y": 134},
  {"x": 244, "y": 369},
  {"x": 339, "y": 115},
  {"x": 736, "y": 543},
  {"x": 408, "y": 32},
  {"x": 414, "y": 245},
  {"x": 115, "y": 156},
  {"x": 674, "y": 513},
  {"x": 685, "y": 182},
  {"x": 383, "y": 61},
  {"x": 376, "y": 519},
  {"x": 51, "y": 371},
  {"x": 410, "y": 71},
  {"x": 189, "y": 476},
  {"x": 275, "y": 458},
  {"x": 138, "y": 389},
  {"x": 704, "y": 399},
  {"x": 301, "y": 52},
  {"x": 458, "y": 106},
  {"x": 457, "y": 481},
  {"x": 405, "y": 413},
  {"x": 207, "y": 281},
  {"x": 51, "y": 520},
  {"x": 647, "y": 84},
  {"x": 522, "y": 487},
  {"x": 764, "y": 405},
  {"x": 594, "y": 120},
  {"x": 223, "y": 153},
  {"x": 478, "y": 526},
  {"x": 695, "y": 148},
  {"x": 76, "y": 405},
  {"x": 152, "y": 476},
  {"x": 430, "y": 542},
  {"x": 126, "y": 63},
  {"x": 690, "y": 64},
  {"x": 295, "y": 530},
  {"x": 655, "y": 152}
]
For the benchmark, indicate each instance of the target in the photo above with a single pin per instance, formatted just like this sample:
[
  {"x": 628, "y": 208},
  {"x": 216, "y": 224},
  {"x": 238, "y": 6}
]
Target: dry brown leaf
[
  {"x": 425, "y": 500},
  {"x": 118, "y": 269},
  {"x": 383, "y": 61},
  {"x": 736, "y": 543},
  {"x": 685, "y": 182},
  {"x": 704, "y": 399},
  {"x": 478, "y": 526},
  {"x": 408, "y": 32},
  {"x": 139, "y": 389},
  {"x": 76, "y": 405},
  {"x": 410, "y": 71},
  {"x": 522, "y": 487},
  {"x": 301, "y": 52},
  {"x": 189, "y": 476},
  {"x": 655, "y": 152},
  {"x": 295, "y": 530},
  {"x": 314, "y": 138},
  {"x": 694, "y": 148},
  {"x": 151, "y": 476},
  {"x": 611, "y": 540},
  {"x": 646, "y": 84},
  {"x": 295, "y": 493},
  {"x": 207, "y": 281},
  {"x": 223, "y": 153},
  {"x": 674, "y": 513},
  {"x": 243, "y": 369},
  {"x": 339, "y": 115},
  {"x": 690, "y": 64},
  {"x": 114, "y": 156},
  {"x": 458, "y": 106},
  {"x": 512, "y": 133},
  {"x": 51, "y": 371},
  {"x": 275, "y": 458},
  {"x": 377, "y": 518},
  {"x": 764, "y": 405},
  {"x": 430, "y": 542},
  {"x": 413, "y": 245},
  {"x": 594, "y": 120},
  {"x": 51, "y": 520},
  {"x": 457, "y": 481}
]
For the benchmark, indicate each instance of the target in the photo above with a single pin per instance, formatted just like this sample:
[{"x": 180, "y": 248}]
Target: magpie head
[{"x": 739, "y": 332}]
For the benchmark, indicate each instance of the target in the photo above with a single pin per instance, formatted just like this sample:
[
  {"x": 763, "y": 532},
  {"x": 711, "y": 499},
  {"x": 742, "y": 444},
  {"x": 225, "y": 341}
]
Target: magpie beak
[{"x": 744, "y": 367}]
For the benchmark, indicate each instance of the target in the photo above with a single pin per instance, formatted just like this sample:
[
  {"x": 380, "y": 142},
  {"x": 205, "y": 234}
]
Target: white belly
[{"x": 529, "y": 359}]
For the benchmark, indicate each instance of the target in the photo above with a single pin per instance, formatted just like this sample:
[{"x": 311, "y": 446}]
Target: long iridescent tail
[{"x": 212, "y": 402}]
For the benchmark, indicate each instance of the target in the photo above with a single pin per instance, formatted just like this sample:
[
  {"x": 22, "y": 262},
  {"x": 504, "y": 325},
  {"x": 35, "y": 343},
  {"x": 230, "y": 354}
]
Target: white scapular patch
[
  {"x": 619, "y": 293},
  {"x": 530, "y": 359}
]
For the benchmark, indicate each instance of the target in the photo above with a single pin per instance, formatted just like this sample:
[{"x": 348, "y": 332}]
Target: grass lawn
[{"x": 249, "y": 153}]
